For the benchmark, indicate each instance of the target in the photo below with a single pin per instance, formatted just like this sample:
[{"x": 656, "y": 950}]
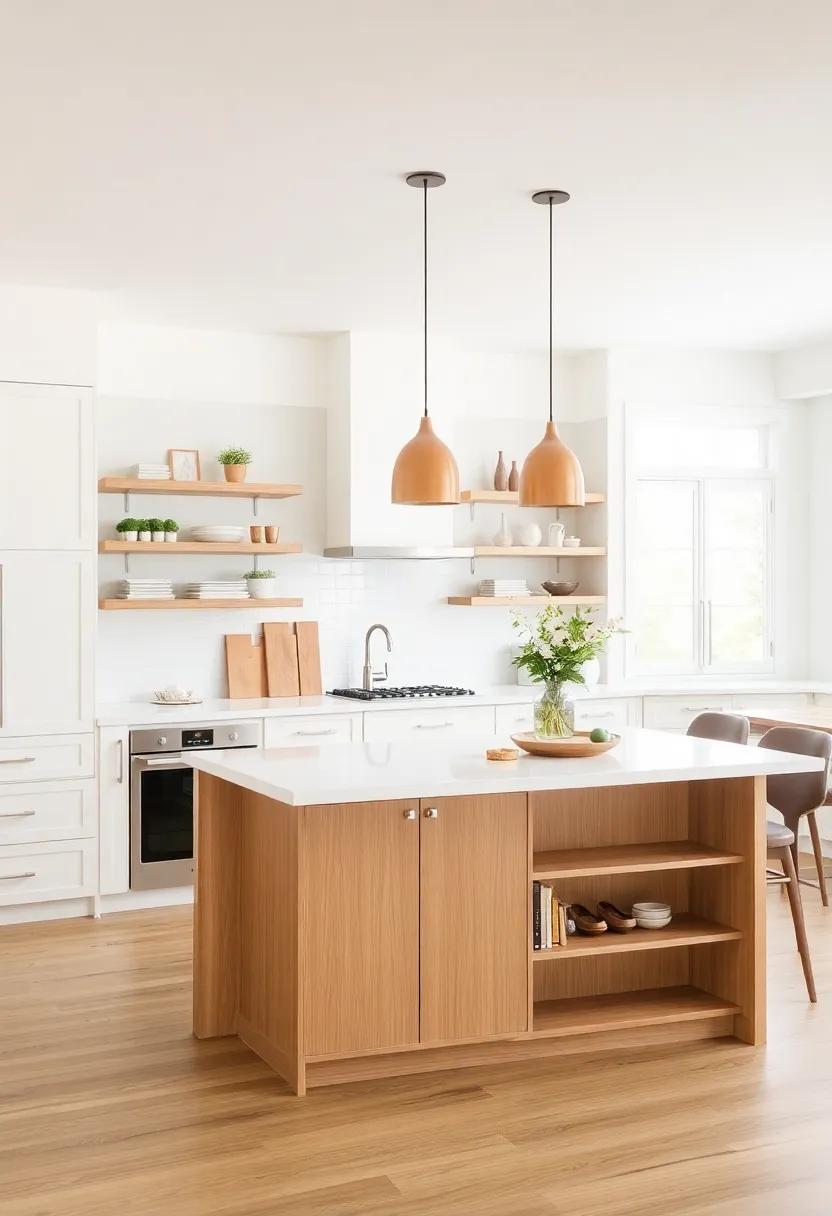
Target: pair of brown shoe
[{"x": 608, "y": 917}]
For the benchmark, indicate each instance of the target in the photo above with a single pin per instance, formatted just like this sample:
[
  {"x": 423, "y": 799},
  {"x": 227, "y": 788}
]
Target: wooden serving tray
[{"x": 578, "y": 745}]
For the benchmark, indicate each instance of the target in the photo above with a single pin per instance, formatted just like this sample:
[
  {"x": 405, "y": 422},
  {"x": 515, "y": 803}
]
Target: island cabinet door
[
  {"x": 360, "y": 927},
  {"x": 474, "y": 917}
]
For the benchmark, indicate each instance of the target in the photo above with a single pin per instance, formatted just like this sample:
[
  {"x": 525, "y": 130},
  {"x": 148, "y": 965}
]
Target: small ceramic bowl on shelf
[
  {"x": 571, "y": 542},
  {"x": 652, "y": 915}
]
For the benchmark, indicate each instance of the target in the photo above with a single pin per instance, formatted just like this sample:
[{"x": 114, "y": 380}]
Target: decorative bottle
[
  {"x": 514, "y": 477},
  {"x": 500, "y": 475}
]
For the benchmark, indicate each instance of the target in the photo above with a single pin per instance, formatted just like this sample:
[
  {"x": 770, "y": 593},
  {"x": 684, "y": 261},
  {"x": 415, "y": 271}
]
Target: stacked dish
[
  {"x": 218, "y": 589},
  {"x": 152, "y": 472},
  {"x": 503, "y": 588},
  {"x": 145, "y": 589},
  {"x": 218, "y": 534},
  {"x": 652, "y": 915}
]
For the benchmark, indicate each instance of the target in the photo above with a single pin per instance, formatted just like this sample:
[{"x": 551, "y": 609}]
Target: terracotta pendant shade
[
  {"x": 425, "y": 472},
  {"x": 552, "y": 475}
]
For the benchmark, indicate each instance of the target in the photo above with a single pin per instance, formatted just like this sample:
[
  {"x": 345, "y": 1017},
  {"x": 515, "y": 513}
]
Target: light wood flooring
[{"x": 108, "y": 1107}]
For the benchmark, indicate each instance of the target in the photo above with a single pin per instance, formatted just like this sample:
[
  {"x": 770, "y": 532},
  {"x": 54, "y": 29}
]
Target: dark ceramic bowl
[{"x": 563, "y": 588}]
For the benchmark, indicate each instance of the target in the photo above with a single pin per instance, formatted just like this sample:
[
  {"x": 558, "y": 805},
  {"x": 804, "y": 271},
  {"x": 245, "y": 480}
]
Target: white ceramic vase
[
  {"x": 170, "y": 537},
  {"x": 528, "y": 535},
  {"x": 129, "y": 535},
  {"x": 143, "y": 536},
  {"x": 262, "y": 588},
  {"x": 157, "y": 537},
  {"x": 503, "y": 538}
]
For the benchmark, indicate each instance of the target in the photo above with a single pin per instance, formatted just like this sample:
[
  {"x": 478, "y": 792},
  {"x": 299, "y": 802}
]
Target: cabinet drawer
[
  {"x": 424, "y": 723},
  {"x": 770, "y": 700},
  {"x": 612, "y": 713},
  {"x": 509, "y": 719},
  {"x": 34, "y": 873},
  {"x": 326, "y": 728},
  {"x": 49, "y": 810},
  {"x": 46, "y": 757},
  {"x": 677, "y": 713}
]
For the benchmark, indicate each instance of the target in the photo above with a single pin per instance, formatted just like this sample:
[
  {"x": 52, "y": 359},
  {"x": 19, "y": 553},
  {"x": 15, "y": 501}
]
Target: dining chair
[
  {"x": 800, "y": 794},
  {"x": 726, "y": 728}
]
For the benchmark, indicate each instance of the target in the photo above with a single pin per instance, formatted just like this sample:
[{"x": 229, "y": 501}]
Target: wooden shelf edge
[
  {"x": 519, "y": 601},
  {"x": 538, "y": 551},
  {"x": 170, "y": 548},
  {"x": 116, "y": 605},
  {"x": 216, "y": 489},
  {"x": 629, "y": 859},
  {"x": 684, "y": 930},
  {"x": 625, "y": 1010},
  {"x": 512, "y": 496}
]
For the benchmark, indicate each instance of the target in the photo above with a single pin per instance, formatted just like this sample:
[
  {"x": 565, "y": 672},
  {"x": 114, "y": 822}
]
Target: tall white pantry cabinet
[{"x": 48, "y": 540}]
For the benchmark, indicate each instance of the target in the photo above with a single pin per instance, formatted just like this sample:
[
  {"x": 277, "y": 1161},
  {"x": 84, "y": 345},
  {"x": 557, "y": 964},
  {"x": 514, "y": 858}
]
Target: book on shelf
[{"x": 548, "y": 917}]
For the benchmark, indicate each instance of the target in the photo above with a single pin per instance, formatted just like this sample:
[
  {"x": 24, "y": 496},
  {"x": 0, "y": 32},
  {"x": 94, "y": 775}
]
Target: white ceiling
[{"x": 240, "y": 163}]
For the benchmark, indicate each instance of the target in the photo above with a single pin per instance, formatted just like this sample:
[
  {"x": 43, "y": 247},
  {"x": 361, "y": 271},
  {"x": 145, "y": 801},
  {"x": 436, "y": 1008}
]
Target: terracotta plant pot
[
  {"x": 272, "y": 533},
  {"x": 235, "y": 472}
]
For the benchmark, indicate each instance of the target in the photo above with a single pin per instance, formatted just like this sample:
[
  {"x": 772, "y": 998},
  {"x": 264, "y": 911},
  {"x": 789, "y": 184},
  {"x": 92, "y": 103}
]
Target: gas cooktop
[{"x": 392, "y": 694}]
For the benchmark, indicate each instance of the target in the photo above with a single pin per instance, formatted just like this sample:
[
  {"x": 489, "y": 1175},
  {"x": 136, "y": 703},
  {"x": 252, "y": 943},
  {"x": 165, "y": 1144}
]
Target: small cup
[
  {"x": 272, "y": 533},
  {"x": 256, "y": 534}
]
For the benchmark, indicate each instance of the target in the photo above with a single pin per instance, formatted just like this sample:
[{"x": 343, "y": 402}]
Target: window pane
[
  {"x": 663, "y": 572},
  {"x": 672, "y": 445},
  {"x": 736, "y": 516}
]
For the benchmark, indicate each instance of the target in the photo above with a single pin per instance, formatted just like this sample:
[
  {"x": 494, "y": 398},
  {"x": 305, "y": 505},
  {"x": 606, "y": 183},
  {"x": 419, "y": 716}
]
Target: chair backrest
[
  {"x": 796, "y": 793},
  {"x": 728, "y": 728}
]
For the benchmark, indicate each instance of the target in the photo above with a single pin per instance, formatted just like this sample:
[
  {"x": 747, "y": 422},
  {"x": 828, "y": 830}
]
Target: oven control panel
[
  {"x": 197, "y": 738},
  {"x": 205, "y": 735}
]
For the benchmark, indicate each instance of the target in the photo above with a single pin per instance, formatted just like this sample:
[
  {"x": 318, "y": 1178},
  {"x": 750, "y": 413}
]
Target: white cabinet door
[
  {"x": 47, "y": 491},
  {"x": 677, "y": 713},
  {"x": 35, "y": 873},
  {"x": 307, "y": 729},
  {"x": 437, "y": 722},
  {"x": 46, "y": 758},
  {"x": 114, "y": 809},
  {"x": 49, "y": 810},
  {"x": 612, "y": 713},
  {"x": 47, "y": 636},
  {"x": 513, "y": 719}
]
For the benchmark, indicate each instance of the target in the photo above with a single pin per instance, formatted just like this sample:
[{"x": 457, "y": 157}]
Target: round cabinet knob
[
  {"x": 234, "y": 736},
  {"x": 409, "y": 814},
  {"x": 431, "y": 813},
  {"x": 162, "y": 740}
]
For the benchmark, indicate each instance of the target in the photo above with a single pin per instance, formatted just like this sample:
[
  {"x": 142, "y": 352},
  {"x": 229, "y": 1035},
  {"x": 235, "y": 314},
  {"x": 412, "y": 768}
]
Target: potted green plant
[
  {"x": 555, "y": 645},
  {"x": 157, "y": 529},
  {"x": 262, "y": 584},
  {"x": 235, "y": 462},
  {"x": 171, "y": 529},
  {"x": 143, "y": 526},
  {"x": 128, "y": 529}
]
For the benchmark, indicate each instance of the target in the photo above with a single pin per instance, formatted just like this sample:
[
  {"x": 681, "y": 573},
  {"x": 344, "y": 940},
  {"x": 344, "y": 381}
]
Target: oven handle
[{"x": 169, "y": 760}]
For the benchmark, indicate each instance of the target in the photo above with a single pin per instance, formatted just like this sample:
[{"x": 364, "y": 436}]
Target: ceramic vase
[
  {"x": 503, "y": 538},
  {"x": 500, "y": 474},
  {"x": 514, "y": 477}
]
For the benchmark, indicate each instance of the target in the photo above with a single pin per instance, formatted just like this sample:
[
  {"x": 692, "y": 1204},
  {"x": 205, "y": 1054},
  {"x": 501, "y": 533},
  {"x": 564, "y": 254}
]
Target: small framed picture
[{"x": 184, "y": 464}]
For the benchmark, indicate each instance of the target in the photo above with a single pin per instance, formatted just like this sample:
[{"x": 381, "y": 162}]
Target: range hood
[{"x": 431, "y": 553}]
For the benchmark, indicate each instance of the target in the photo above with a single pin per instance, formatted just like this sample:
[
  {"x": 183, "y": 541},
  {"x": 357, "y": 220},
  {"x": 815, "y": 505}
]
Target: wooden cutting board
[
  {"x": 245, "y": 660},
  {"x": 309, "y": 658},
  {"x": 281, "y": 659}
]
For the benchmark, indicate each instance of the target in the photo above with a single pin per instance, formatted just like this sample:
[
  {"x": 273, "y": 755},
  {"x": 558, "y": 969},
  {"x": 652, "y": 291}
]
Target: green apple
[{"x": 599, "y": 735}]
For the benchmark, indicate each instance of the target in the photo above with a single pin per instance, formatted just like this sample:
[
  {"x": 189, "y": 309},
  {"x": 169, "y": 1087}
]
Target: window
[{"x": 698, "y": 571}]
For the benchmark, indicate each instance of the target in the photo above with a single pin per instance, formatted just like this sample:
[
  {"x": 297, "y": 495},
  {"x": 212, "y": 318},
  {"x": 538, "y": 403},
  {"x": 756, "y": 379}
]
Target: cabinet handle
[
  {"x": 331, "y": 730},
  {"x": 120, "y": 777},
  {"x": 23, "y": 874},
  {"x": 431, "y": 813},
  {"x": 695, "y": 709},
  {"x": 409, "y": 814},
  {"x": 15, "y": 814},
  {"x": 608, "y": 714},
  {"x": 18, "y": 760},
  {"x": 432, "y": 725}
]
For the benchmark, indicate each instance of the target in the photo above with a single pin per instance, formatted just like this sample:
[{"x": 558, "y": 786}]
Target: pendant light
[
  {"x": 552, "y": 475},
  {"x": 425, "y": 472}
]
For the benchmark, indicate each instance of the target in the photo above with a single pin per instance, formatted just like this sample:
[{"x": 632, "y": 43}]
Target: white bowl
[
  {"x": 653, "y": 922},
  {"x": 652, "y": 909}
]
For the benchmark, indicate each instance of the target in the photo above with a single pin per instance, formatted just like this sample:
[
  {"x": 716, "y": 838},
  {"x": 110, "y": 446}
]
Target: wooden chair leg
[
  {"x": 816, "y": 849},
  {"x": 796, "y": 903}
]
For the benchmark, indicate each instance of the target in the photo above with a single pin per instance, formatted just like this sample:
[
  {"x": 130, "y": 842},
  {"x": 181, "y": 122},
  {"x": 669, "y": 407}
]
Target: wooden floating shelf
[
  {"x": 171, "y": 548},
  {"x": 212, "y": 489},
  {"x": 625, "y": 1010},
  {"x": 507, "y": 497},
  {"x": 520, "y": 601},
  {"x": 630, "y": 859},
  {"x": 537, "y": 551},
  {"x": 684, "y": 930},
  {"x": 115, "y": 605}
]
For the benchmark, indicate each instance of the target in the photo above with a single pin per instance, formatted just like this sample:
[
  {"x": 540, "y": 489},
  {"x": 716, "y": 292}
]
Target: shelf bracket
[
  {"x": 473, "y": 565},
  {"x": 254, "y": 503},
  {"x": 471, "y": 512},
  {"x": 126, "y": 502}
]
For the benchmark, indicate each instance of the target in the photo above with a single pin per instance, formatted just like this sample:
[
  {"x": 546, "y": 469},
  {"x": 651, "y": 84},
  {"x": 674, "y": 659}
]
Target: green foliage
[
  {"x": 143, "y": 525},
  {"x": 234, "y": 456},
  {"x": 128, "y": 525},
  {"x": 171, "y": 525},
  {"x": 557, "y": 644},
  {"x": 260, "y": 574},
  {"x": 156, "y": 525}
]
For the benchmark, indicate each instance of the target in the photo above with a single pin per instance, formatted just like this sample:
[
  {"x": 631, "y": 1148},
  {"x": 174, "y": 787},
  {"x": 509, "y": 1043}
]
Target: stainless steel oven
[{"x": 162, "y": 797}]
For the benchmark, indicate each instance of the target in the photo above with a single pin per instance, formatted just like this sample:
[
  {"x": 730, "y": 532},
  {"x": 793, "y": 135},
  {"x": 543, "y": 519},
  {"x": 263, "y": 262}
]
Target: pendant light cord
[
  {"x": 551, "y": 318},
  {"x": 425, "y": 270}
]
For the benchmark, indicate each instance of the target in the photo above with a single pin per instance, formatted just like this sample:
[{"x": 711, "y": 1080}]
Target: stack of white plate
[
  {"x": 152, "y": 472},
  {"x": 146, "y": 589},
  {"x": 219, "y": 589},
  {"x": 218, "y": 534},
  {"x": 504, "y": 588}
]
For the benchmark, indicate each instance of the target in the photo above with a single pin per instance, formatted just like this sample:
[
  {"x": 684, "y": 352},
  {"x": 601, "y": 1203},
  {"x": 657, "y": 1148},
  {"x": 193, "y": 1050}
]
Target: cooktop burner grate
[{"x": 393, "y": 694}]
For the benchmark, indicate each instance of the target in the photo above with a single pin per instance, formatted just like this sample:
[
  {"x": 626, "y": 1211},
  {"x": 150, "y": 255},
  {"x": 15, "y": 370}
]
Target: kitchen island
[{"x": 365, "y": 910}]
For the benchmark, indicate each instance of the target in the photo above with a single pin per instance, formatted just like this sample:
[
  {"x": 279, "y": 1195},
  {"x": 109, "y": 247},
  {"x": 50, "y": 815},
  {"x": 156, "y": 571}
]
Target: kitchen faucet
[{"x": 371, "y": 676}]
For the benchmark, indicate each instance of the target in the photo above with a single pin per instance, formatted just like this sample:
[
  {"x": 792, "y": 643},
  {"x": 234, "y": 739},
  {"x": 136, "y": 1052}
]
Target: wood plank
[
  {"x": 245, "y": 662},
  {"x": 684, "y": 930},
  {"x": 281, "y": 659},
  {"x": 474, "y": 921},
  {"x": 538, "y": 551},
  {"x": 214, "y": 489},
  {"x": 620, "y": 815},
  {"x": 620, "y": 1011},
  {"x": 630, "y": 859},
  {"x": 217, "y": 808},
  {"x": 507, "y": 497},
  {"x": 360, "y": 927},
  {"x": 170, "y": 549},
  {"x": 309, "y": 658},
  {"x": 180, "y": 605},
  {"x": 519, "y": 601}
]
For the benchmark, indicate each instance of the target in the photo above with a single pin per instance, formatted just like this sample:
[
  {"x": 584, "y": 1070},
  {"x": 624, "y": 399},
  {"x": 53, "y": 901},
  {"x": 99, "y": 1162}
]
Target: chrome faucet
[{"x": 370, "y": 676}]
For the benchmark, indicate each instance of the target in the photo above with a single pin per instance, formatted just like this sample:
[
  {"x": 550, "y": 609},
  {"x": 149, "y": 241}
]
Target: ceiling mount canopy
[
  {"x": 552, "y": 475},
  {"x": 425, "y": 472}
]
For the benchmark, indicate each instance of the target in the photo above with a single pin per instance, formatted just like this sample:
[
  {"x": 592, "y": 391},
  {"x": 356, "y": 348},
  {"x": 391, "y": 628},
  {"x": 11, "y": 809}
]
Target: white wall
[
  {"x": 47, "y": 335},
  {"x": 805, "y": 371},
  {"x": 819, "y": 597}
]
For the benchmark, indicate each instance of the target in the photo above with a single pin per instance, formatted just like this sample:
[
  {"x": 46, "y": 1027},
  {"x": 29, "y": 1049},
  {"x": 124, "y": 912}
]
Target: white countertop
[
  {"x": 365, "y": 772},
  {"x": 218, "y": 709}
]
